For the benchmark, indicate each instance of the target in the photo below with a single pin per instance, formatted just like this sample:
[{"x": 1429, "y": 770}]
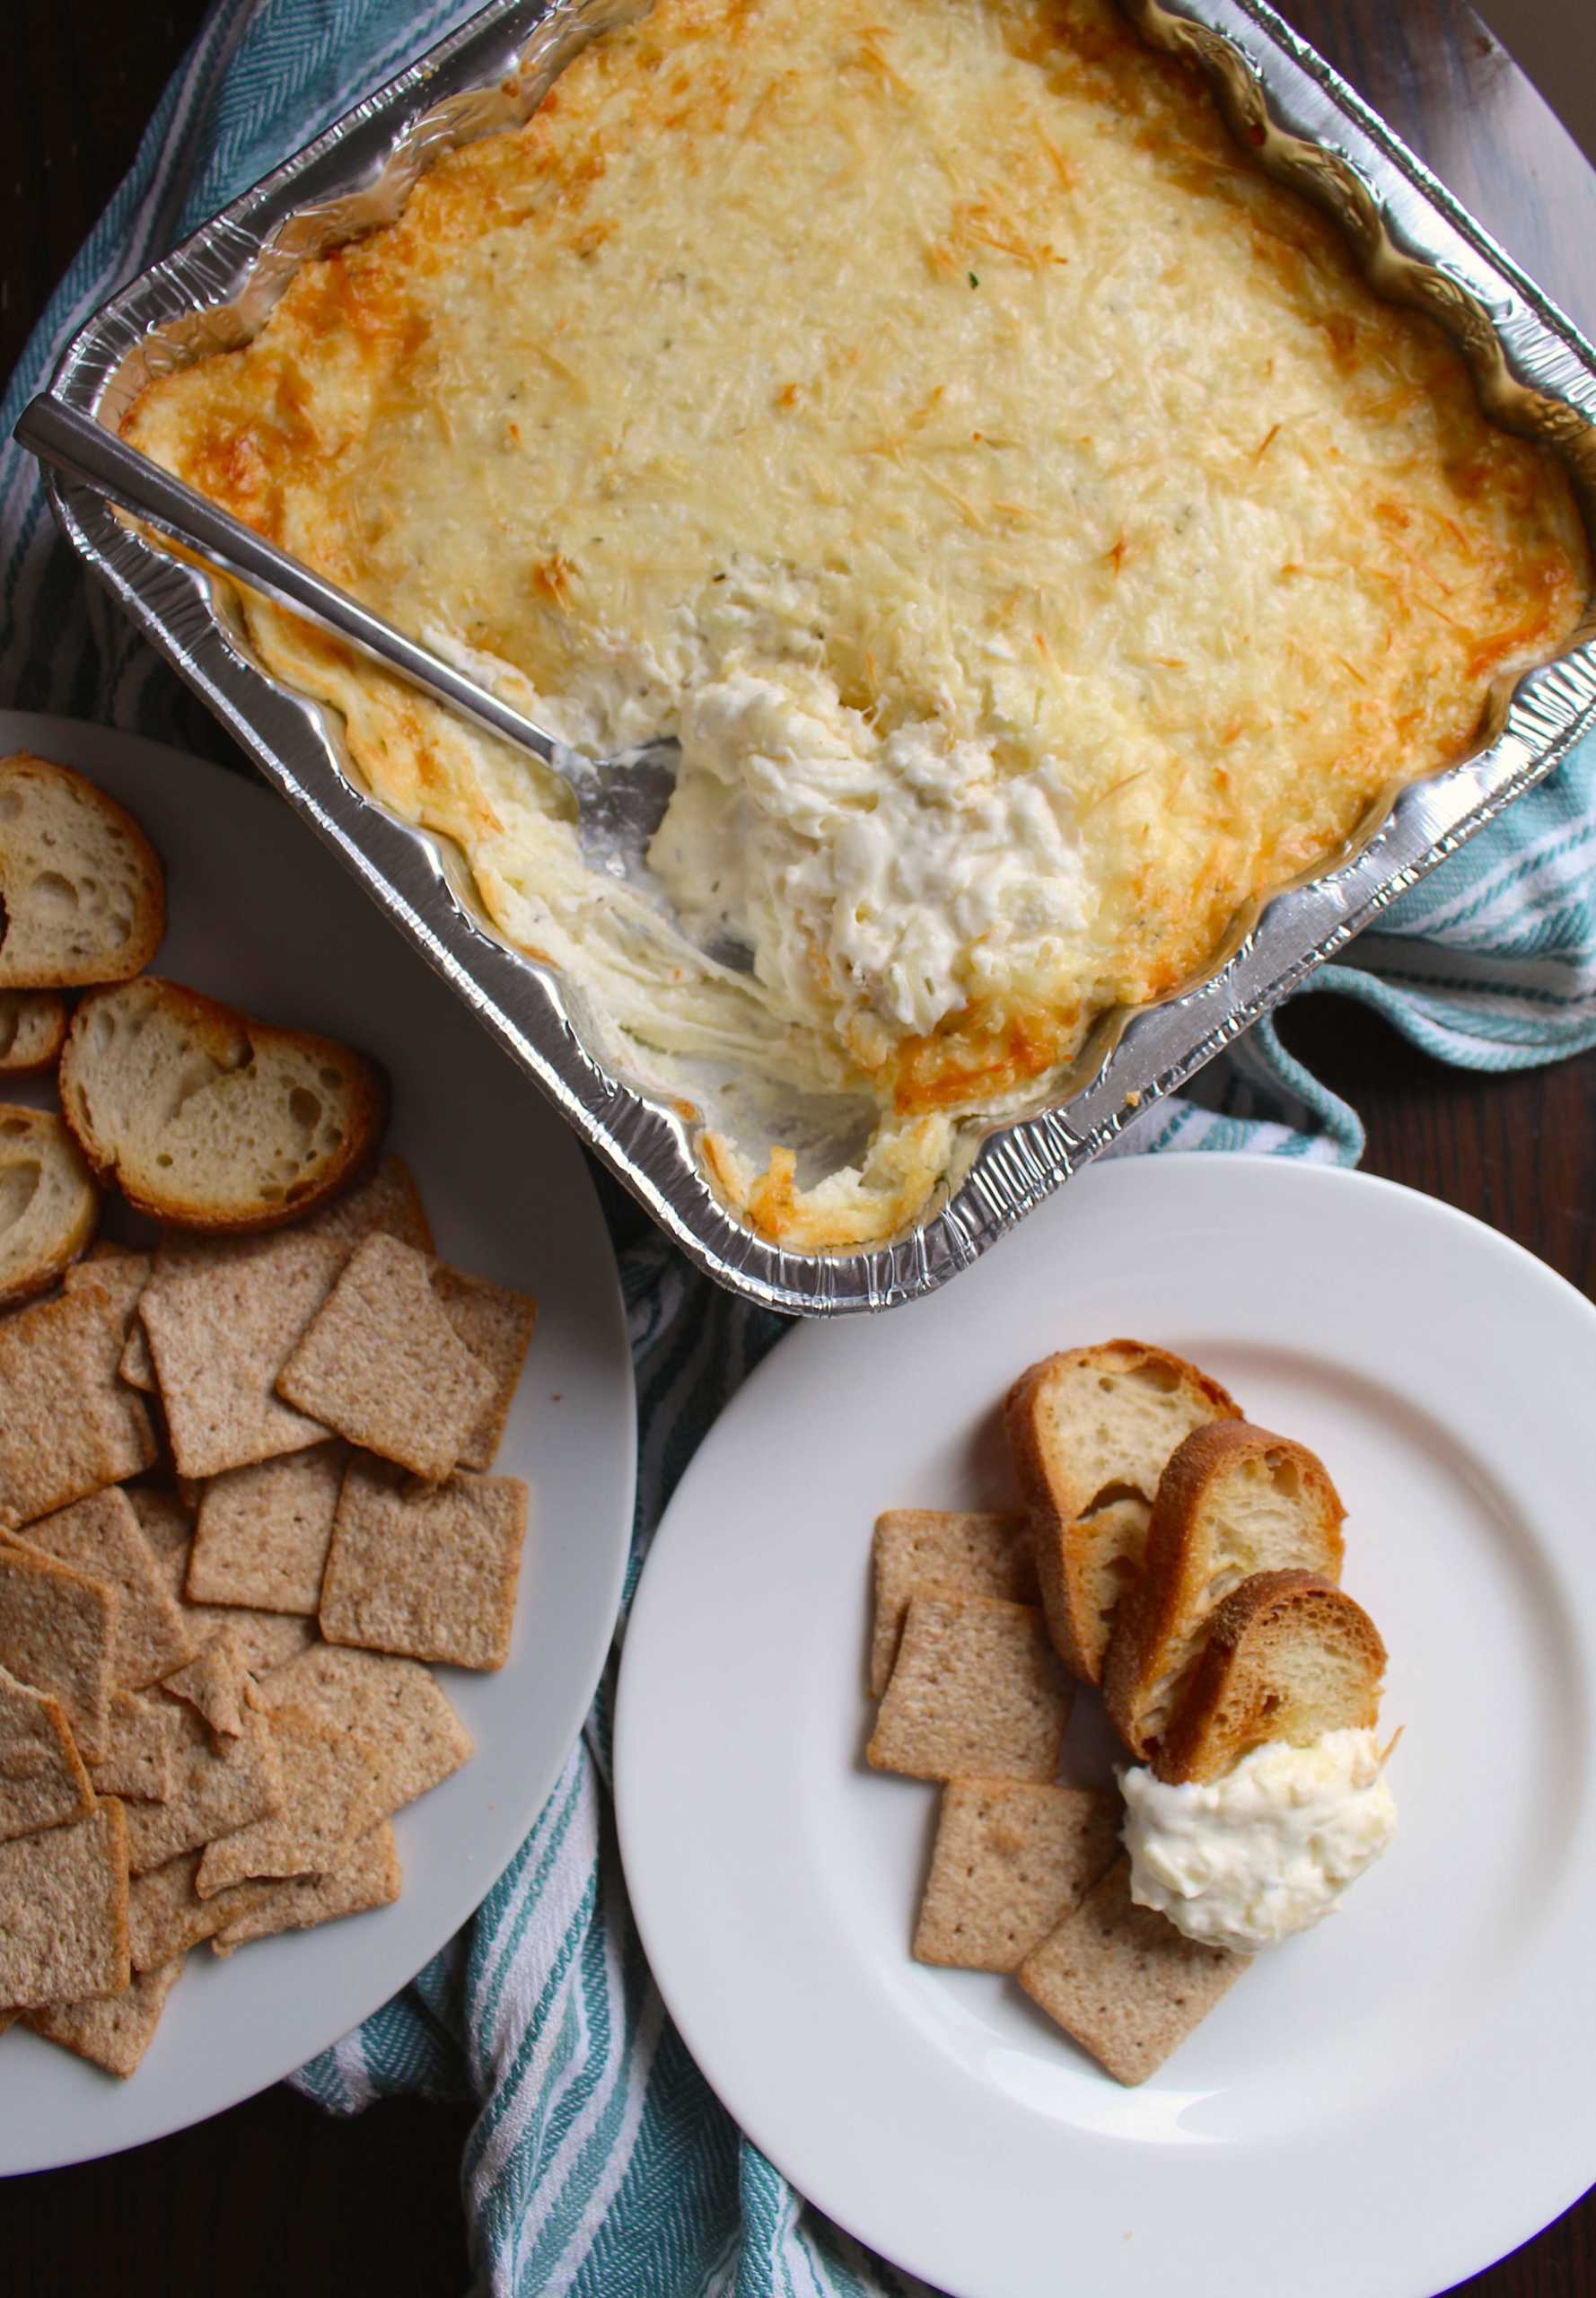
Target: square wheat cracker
[
  {"x": 113, "y": 2033},
  {"x": 1124, "y": 1982},
  {"x": 70, "y": 1425},
  {"x": 102, "y": 1537},
  {"x": 262, "y": 1533},
  {"x": 975, "y": 1689},
  {"x": 265, "y": 1639},
  {"x": 334, "y": 1785},
  {"x": 219, "y": 1332},
  {"x": 43, "y": 1778},
  {"x": 64, "y": 1911},
  {"x": 370, "y": 1877},
  {"x": 59, "y": 1635},
  {"x": 430, "y": 1574},
  {"x": 1012, "y": 1858},
  {"x": 218, "y": 1790},
  {"x": 979, "y": 1554},
  {"x": 384, "y": 1365},
  {"x": 396, "y": 1702},
  {"x": 223, "y": 1315}
]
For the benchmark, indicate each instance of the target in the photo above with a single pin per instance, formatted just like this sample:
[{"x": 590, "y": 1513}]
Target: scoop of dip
[{"x": 1266, "y": 1849}]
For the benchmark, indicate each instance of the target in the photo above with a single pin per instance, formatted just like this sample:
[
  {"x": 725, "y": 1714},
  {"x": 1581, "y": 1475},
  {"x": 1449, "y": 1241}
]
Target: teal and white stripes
[{"x": 599, "y": 2164}]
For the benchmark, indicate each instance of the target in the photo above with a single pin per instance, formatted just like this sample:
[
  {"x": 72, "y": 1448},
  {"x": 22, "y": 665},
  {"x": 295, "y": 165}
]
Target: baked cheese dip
[{"x": 1039, "y": 539}]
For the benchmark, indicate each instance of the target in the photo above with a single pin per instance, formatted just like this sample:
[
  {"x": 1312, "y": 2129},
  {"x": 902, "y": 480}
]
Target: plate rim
[
  {"x": 751, "y": 2109},
  {"x": 54, "y": 735}
]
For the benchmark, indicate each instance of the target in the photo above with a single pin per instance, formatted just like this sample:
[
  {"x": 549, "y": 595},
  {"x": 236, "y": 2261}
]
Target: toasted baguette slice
[
  {"x": 1084, "y": 1571},
  {"x": 207, "y": 1119},
  {"x": 1233, "y": 1500},
  {"x": 1289, "y": 1657},
  {"x": 1090, "y": 1431},
  {"x": 80, "y": 885},
  {"x": 32, "y": 1025},
  {"x": 48, "y": 1206}
]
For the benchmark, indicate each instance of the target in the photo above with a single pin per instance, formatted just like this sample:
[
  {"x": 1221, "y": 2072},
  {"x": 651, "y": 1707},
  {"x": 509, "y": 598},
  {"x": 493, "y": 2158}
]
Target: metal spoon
[{"x": 620, "y": 800}]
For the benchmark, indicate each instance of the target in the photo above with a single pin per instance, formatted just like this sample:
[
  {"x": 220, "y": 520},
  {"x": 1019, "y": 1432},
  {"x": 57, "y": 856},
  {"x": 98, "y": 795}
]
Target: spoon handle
[{"x": 80, "y": 448}]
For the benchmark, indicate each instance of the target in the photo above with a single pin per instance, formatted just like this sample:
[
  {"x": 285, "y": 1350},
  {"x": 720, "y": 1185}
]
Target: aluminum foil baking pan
[{"x": 1534, "y": 372}]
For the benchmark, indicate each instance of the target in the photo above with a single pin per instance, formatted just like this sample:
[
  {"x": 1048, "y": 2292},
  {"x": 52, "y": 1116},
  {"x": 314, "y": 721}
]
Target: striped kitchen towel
[{"x": 599, "y": 2163}]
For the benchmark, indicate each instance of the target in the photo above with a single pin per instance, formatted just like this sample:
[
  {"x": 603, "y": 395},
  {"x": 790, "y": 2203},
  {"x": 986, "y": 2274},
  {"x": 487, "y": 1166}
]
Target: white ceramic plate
[
  {"x": 1382, "y": 2106},
  {"x": 258, "y": 914}
]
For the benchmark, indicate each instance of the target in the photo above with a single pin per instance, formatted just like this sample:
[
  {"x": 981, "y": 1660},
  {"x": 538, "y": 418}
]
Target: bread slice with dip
[{"x": 1289, "y": 1657}]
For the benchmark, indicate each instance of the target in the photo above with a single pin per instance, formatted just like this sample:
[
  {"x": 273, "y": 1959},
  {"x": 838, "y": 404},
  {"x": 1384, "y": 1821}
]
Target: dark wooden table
[{"x": 274, "y": 2198}]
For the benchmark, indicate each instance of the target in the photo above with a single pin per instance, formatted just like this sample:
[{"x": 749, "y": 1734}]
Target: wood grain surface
[{"x": 274, "y": 2198}]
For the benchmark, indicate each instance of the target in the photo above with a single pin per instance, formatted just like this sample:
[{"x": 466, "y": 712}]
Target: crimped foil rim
[{"x": 1417, "y": 241}]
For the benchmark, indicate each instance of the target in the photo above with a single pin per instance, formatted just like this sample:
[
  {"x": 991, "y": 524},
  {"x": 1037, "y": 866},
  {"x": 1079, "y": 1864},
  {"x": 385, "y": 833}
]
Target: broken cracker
[
  {"x": 58, "y": 1634},
  {"x": 70, "y": 1425},
  {"x": 263, "y": 1531},
  {"x": 396, "y": 1702},
  {"x": 497, "y": 1325},
  {"x": 218, "y": 1790},
  {"x": 43, "y": 1778},
  {"x": 135, "y": 1365},
  {"x": 975, "y": 1689},
  {"x": 102, "y": 1537},
  {"x": 1124, "y": 1982},
  {"x": 64, "y": 1911},
  {"x": 141, "y": 1749},
  {"x": 370, "y": 1877},
  {"x": 430, "y": 1573},
  {"x": 114, "y": 2032},
  {"x": 165, "y": 1914},
  {"x": 334, "y": 1783},
  {"x": 979, "y": 1554},
  {"x": 215, "y": 1683},
  {"x": 384, "y": 1365},
  {"x": 1012, "y": 1858},
  {"x": 265, "y": 1639}
]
